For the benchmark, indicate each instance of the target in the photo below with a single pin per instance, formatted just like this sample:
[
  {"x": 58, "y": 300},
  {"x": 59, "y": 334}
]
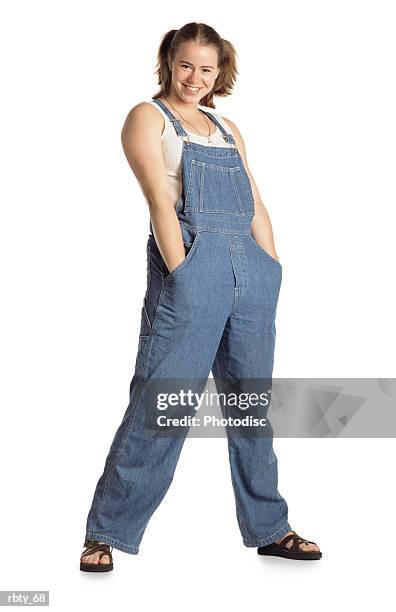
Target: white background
[{"x": 314, "y": 101}]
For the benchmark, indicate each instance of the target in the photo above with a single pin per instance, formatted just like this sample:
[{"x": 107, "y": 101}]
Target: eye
[{"x": 187, "y": 66}]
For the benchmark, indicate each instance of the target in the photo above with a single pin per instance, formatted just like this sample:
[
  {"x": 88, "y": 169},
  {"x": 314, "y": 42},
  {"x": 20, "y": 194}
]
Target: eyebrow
[{"x": 186, "y": 62}]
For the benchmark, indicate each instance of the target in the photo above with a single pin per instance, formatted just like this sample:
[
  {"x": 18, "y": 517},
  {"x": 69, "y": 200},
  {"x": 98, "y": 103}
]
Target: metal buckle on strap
[
  {"x": 230, "y": 140},
  {"x": 185, "y": 138}
]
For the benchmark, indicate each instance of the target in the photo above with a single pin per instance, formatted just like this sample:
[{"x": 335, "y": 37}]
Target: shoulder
[
  {"x": 144, "y": 115},
  {"x": 145, "y": 110}
]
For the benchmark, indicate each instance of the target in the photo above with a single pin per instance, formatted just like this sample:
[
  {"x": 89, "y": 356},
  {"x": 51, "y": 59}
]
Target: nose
[{"x": 194, "y": 79}]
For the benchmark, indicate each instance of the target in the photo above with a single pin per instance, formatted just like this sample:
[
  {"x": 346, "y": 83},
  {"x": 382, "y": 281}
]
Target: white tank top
[{"x": 172, "y": 148}]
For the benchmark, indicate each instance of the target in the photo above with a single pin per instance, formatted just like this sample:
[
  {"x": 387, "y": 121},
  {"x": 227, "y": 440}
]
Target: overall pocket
[
  {"x": 263, "y": 252},
  {"x": 218, "y": 189},
  {"x": 190, "y": 248}
]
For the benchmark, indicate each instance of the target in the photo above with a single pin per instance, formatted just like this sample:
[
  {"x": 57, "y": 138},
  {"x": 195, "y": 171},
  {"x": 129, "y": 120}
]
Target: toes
[
  {"x": 302, "y": 545},
  {"x": 89, "y": 559},
  {"x": 309, "y": 547},
  {"x": 96, "y": 557}
]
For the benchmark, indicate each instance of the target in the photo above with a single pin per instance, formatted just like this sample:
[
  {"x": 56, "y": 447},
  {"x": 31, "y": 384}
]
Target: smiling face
[{"x": 194, "y": 71}]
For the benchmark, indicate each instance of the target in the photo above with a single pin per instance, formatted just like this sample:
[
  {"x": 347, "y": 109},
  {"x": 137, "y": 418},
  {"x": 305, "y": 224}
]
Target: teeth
[{"x": 194, "y": 89}]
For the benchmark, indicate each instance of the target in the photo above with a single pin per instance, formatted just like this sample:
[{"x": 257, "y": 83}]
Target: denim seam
[
  {"x": 131, "y": 420},
  {"x": 220, "y": 212},
  {"x": 236, "y": 288},
  {"x": 236, "y": 280},
  {"x": 239, "y": 289},
  {"x": 95, "y": 535},
  {"x": 244, "y": 269},
  {"x": 222, "y": 151},
  {"x": 148, "y": 357},
  {"x": 269, "y": 539},
  {"x": 122, "y": 441},
  {"x": 189, "y": 185},
  {"x": 244, "y": 529},
  {"x": 145, "y": 366},
  {"x": 227, "y": 169},
  {"x": 203, "y": 228},
  {"x": 159, "y": 303},
  {"x": 201, "y": 191},
  {"x": 148, "y": 286},
  {"x": 147, "y": 322},
  {"x": 180, "y": 203},
  {"x": 143, "y": 376},
  {"x": 241, "y": 211},
  {"x": 241, "y": 522},
  {"x": 248, "y": 189}
]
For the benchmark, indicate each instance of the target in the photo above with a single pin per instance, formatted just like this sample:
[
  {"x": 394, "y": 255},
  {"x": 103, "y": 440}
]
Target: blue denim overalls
[{"x": 214, "y": 312}]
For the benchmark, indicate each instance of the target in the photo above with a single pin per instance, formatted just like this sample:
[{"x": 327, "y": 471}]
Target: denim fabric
[{"x": 214, "y": 312}]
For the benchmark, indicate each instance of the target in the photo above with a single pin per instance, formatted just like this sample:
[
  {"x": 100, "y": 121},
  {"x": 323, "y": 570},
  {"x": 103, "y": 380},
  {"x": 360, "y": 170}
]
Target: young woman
[{"x": 210, "y": 303}]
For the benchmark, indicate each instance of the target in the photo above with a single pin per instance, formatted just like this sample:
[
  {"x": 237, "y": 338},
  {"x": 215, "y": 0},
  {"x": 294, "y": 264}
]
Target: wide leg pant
[{"x": 214, "y": 312}]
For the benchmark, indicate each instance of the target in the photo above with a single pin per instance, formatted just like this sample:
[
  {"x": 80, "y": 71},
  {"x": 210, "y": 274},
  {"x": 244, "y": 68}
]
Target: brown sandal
[
  {"x": 92, "y": 547},
  {"x": 294, "y": 552}
]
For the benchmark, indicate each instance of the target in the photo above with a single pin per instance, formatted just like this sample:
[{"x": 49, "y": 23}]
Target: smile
[{"x": 192, "y": 89}]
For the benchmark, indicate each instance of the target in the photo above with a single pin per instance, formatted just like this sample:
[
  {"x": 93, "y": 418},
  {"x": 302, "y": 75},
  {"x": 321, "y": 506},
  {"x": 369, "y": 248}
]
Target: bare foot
[{"x": 303, "y": 547}]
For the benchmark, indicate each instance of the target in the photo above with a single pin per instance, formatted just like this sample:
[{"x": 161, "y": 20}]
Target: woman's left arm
[{"x": 261, "y": 224}]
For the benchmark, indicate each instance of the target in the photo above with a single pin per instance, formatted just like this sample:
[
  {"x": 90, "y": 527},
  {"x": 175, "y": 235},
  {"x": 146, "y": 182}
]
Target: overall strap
[
  {"x": 176, "y": 122},
  {"x": 228, "y": 137}
]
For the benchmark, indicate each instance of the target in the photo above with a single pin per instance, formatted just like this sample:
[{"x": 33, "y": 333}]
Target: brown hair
[{"x": 204, "y": 35}]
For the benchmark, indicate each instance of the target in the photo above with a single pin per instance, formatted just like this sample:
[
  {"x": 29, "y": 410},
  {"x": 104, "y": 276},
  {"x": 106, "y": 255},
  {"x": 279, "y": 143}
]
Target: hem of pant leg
[
  {"x": 269, "y": 539},
  {"x": 94, "y": 535}
]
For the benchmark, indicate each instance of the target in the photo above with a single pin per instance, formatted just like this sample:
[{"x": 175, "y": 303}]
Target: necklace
[{"x": 209, "y": 136}]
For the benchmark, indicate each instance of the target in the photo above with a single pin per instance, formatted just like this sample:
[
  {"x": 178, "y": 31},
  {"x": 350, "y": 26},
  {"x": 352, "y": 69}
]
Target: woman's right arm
[{"x": 141, "y": 141}]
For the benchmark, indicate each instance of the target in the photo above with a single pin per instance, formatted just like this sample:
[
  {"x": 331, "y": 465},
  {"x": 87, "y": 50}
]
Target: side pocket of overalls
[
  {"x": 165, "y": 271},
  {"x": 153, "y": 289},
  {"x": 190, "y": 246},
  {"x": 149, "y": 308}
]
